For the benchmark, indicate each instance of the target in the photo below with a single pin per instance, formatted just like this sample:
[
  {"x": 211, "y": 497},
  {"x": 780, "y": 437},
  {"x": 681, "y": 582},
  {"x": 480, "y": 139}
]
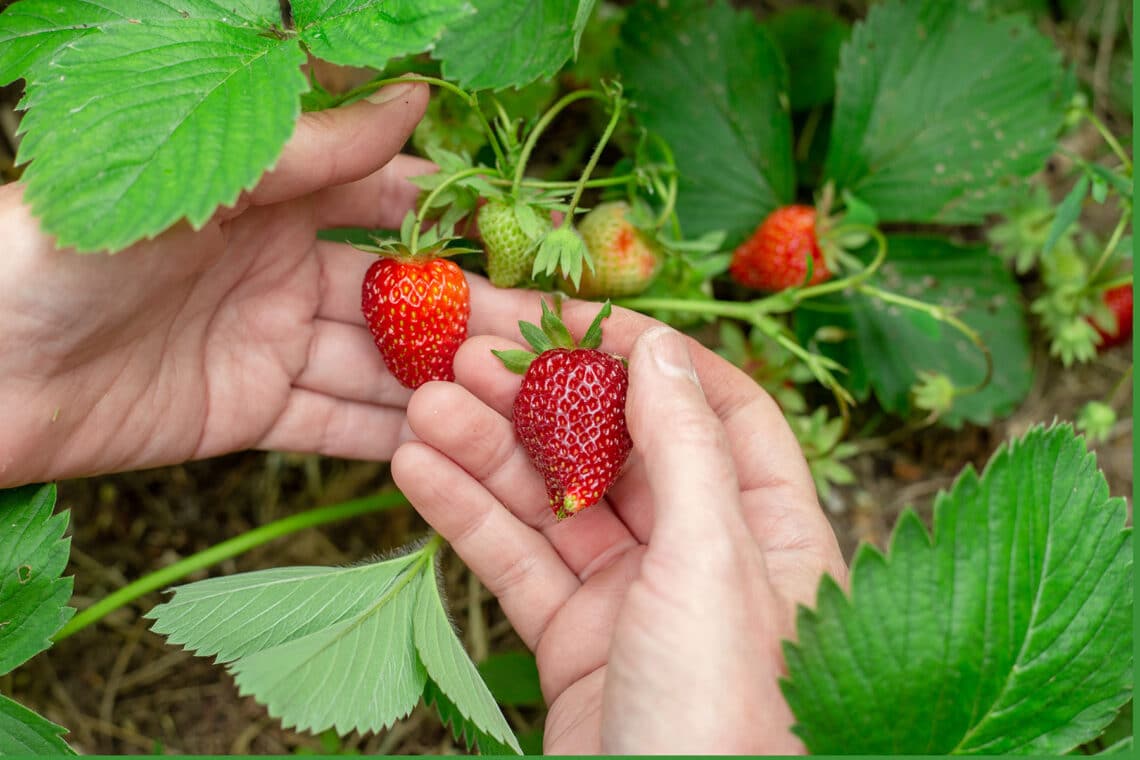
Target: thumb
[
  {"x": 341, "y": 145},
  {"x": 684, "y": 447}
]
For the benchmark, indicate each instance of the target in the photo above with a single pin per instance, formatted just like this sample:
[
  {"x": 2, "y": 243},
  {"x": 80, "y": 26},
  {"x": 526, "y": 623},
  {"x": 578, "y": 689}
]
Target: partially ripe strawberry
[
  {"x": 626, "y": 259},
  {"x": 417, "y": 311},
  {"x": 569, "y": 414},
  {"x": 510, "y": 233},
  {"x": 775, "y": 257},
  {"x": 1119, "y": 301}
]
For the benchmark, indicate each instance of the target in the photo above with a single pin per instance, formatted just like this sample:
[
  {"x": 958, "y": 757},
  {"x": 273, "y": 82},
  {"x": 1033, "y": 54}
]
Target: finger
[
  {"x": 483, "y": 443},
  {"x": 381, "y": 199},
  {"x": 314, "y": 423},
  {"x": 689, "y": 467},
  {"x": 512, "y": 560},
  {"x": 341, "y": 145},
  {"x": 343, "y": 363}
]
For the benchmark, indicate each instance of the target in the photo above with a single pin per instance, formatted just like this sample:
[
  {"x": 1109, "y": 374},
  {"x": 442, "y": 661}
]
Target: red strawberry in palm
[
  {"x": 416, "y": 306},
  {"x": 570, "y": 411},
  {"x": 776, "y": 257}
]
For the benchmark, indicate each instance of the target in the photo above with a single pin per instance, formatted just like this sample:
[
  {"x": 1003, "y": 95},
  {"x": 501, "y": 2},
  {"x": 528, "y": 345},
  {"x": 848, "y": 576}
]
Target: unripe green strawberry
[
  {"x": 626, "y": 259},
  {"x": 510, "y": 235}
]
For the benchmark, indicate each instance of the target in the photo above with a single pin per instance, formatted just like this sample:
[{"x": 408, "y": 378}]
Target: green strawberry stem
[
  {"x": 1116, "y": 283},
  {"x": 1110, "y": 247},
  {"x": 390, "y": 499},
  {"x": 1108, "y": 137},
  {"x": 470, "y": 98},
  {"x": 942, "y": 315},
  {"x": 670, "y": 189},
  {"x": 541, "y": 125},
  {"x": 413, "y": 244},
  {"x": 618, "y": 102}
]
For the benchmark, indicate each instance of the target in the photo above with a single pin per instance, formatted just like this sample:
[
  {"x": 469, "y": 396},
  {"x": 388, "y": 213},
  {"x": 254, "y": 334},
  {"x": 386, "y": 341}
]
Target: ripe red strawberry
[
  {"x": 511, "y": 232},
  {"x": 1119, "y": 301},
  {"x": 417, "y": 310},
  {"x": 775, "y": 257},
  {"x": 570, "y": 412},
  {"x": 626, "y": 259}
]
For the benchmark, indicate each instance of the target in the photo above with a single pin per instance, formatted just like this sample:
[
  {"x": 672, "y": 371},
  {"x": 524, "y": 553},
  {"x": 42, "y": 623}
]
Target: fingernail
[
  {"x": 667, "y": 346},
  {"x": 391, "y": 92}
]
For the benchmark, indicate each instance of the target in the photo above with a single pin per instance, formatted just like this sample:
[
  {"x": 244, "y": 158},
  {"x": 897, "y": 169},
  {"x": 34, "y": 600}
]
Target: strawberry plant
[{"x": 849, "y": 209}]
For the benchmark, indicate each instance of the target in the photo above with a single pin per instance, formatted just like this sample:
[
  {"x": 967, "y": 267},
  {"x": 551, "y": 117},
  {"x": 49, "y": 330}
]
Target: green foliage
[
  {"x": 512, "y": 678},
  {"x": 33, "y": 606},
  {"x": 940, "y": 111},
  {"x": 23, "y": 732},
  {"x": 809, "y": 39},
  {"x": 530, "y": 39},
  {"x": 159, "y": 111},
  {"x": 711, "y": 82},
  {"x": 885, "y": 346},
  {"x": 1009, "y": 630},
  {"x": 33, "y": 555},
  {"x": 345, "y": 648}
]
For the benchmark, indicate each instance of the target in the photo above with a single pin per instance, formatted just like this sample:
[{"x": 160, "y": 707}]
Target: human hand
[
  {"x": 656, "y": 616},
  {"x": 246, "y": 333}
]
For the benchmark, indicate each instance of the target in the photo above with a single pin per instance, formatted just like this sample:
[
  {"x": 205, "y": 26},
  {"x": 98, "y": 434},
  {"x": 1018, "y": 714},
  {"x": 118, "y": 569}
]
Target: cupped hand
[
  {"x": 246, "y": 333},
  {"x": 656, "y": 616}
]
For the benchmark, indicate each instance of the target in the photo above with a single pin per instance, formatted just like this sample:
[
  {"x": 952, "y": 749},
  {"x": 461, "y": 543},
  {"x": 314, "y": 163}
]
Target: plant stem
[
  {"x": 941, "y": 315},
  {"x": 413, "y": 244},
  {"x": 231, "y": 548},
  {"x": 1109, "y": 138},
  {"x": 594, "y": 158},
  {"x": 1110, "y": 247},
  {"x": 540, "y": 127}
]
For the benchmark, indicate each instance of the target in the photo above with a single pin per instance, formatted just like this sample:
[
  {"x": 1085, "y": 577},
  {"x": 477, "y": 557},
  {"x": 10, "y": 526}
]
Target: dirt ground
[{"x": 121, "y": 690}]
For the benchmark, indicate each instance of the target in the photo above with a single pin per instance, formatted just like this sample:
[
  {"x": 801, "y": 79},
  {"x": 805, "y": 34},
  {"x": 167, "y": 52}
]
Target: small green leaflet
[
  {"x": 33, "y": 606},
  {"x": 371, "y": 32},
  {"x": 1007, "y": 631},
  {"x": 512, "y": 678},
  {"x": 940, "y": 111},
  {"x": 23, "y": 732},
  {"x": 33, "y": 555},
  {"x": 346, "y": 648},
  {"x": 887, "y": 345},
  {"x": 711, "y": 82},
  {"x": 509, "y": 43}
]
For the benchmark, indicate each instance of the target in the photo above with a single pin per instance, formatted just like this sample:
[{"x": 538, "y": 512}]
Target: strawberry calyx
[
  {"x": 409, "y": 248},
  {"x": 550, "y": 334}
]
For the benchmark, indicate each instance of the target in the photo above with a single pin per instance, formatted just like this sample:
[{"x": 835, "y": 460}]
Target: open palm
[
  {"x": 656, "y": 616},
  {"x": 245, "y": 333}
]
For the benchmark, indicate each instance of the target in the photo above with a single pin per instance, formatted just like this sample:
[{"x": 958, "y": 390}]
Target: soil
[{"x": 121, "y": 689}]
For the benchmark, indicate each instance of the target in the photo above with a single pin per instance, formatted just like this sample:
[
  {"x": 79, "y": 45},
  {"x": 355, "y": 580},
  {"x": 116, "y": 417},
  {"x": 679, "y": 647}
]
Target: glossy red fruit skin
[
  {"x": 417, "y": 312},
  {"x": 774, "y": 258},
  {"x": 570, "y": 417},
  {"x": 1119, "y": 300}
]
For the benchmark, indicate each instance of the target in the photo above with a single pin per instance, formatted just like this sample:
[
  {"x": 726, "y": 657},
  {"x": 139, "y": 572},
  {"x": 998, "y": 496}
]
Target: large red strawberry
[
  {"x": 626, "y": 259},
  {"x": 775, "y": 257},
  {"x": 1119, "y": 302},
  {"x": 417, "y": 309},
  {"x": 570, "y": 411}
]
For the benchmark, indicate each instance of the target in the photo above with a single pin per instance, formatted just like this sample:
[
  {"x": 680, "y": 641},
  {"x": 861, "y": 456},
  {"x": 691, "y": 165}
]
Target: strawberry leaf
[
  {"x": 1006, "y": 631},
  {"x": 885, "y": 347},
  {"x": 23, "y": 732},
  {"x": 941, "y": 111},
  {"x": 33, "y": 555},
  {"x": 710, "y": 81},
  {"x": 110, "y": 165},
  {"x": 531, "y": 39},
  {"x": 470, "y": 709},
  {"x": 562, "y": 249},
  {"x": 809, "y": 39},
  {"x": 368, "y": 33}
]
